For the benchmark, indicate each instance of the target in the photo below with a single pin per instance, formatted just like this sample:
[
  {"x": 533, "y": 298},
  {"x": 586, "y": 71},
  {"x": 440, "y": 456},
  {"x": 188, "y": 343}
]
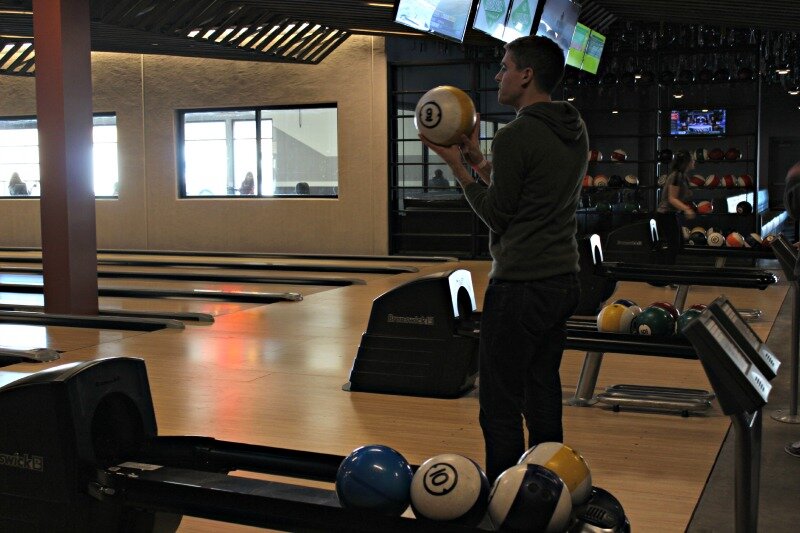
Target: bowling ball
[
  {"x": 733, "y": 154},
  {"x": 608, "y": 318},
  {"x": 745, "y": 180},
  {"x": 767, "y": 241},
  {"x": 744, "y": 208},
  {"x": 529, "y": 498},
  {"x": 595, "y": 155},
  {"x": 715, "y": 239},
  {"x": 374, "y": 478},
  {"x": 701, "y": 155},
  {"x": 697, "y": 181},
  {"x": 697, "y": 238},
  {"x": 705, "y": 207},
  {"x": 603, "y": 207},
  {"x": 615, "y": 181},
  {"x": 445, "y": 113},
  {"x": 587, "y": 181},
  {"x": 625, "y": 302},
  {"x": 734, "y": 240},
  {"x": 753, "y": 241},
  {"x": 668, "y": 307},
  {"x": 712, "y": 181},
  {"x": 619, "y": 155},
  {"x": 601, "y": 180},
  {"x": 699, "y": 307},
  {"x": 665, "y": 156},
  {"x": 566, "y": 463},
  {"x": 686, "y": 317},
  {"x": 601, "y": 513},
  {"x": 653, "y": 321},
  {"x": 729, "y": 181},
  {"x": 716, "y": 154},
  {"x": 631, "y": 181},
  {"x": 450, "y": 488}
]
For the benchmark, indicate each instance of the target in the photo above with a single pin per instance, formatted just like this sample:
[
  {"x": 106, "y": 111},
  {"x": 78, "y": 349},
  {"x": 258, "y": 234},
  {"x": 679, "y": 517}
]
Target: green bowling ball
[
  {"x": 653, "y": 321},
  {"x": 686, "y": 317}
]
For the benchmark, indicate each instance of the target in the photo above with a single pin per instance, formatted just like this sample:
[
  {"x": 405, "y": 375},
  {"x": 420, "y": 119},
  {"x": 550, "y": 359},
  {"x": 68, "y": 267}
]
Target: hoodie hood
[{"x": 561, "y": 117}]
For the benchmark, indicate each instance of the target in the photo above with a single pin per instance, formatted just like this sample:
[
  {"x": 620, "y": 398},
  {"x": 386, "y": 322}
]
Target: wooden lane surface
[
  {"x": 273, "y": 375},
  {"x": 35, "y": 257}
]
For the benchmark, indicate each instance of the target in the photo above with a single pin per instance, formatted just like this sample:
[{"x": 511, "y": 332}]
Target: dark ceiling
[{"x": 303, "y": 31}]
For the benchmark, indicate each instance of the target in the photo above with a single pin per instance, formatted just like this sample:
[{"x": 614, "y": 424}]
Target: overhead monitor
[
  {"x": 444, "y": 18},
  {"x": 594, "y": 49},
  {"x": 739, "y": 385},
  {"x": 490, "y": 17},
  {"x": 558, "y": 21},
  {"x": 758, "y": 352},
  {"x": 577, "y": 49}
]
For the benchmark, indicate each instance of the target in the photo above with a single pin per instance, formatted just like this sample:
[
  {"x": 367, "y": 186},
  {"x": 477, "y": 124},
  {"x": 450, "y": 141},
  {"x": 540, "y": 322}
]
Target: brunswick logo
[
  {"x": 24, "y": 461},
  {"x": 418, "y": 320}
]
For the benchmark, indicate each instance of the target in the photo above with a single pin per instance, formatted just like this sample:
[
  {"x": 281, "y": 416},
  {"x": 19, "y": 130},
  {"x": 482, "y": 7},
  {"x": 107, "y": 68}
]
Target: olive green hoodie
[{"x": 538, "y": 163}]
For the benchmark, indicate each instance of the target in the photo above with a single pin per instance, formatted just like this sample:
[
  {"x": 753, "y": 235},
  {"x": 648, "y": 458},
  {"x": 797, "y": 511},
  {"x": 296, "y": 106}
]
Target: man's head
[
  {"x": 438, "y": 173},
  {"x": 531, "y": 66}
]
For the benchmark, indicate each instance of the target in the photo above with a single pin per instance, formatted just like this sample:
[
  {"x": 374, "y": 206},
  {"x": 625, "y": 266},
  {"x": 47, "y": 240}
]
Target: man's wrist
[{"x": 477, "y": 167}]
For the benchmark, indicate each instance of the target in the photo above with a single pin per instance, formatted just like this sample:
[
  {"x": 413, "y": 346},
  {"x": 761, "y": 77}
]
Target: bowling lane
[
  {"x": 389, "y": 266},
  {"x": 63, "y": 339},
  {"x": 212, "y": 307}
]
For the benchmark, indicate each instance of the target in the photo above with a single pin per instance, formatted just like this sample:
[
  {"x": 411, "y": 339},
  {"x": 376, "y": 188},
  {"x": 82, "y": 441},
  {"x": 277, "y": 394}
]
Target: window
[
  {"x": 220, "y": 151},
  {"x": 19, "y": 156}
]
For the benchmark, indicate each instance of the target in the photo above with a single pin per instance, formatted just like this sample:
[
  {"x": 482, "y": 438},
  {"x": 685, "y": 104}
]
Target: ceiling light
[
  {"x": 615, "y": 111},
  {"x": 570, "y": 98},
  {"x": 794, "y": 91},
  {"x": 783, "y": 70},
  {"x": 677, "y": 93},
  {"x": 379, "y": 4}
]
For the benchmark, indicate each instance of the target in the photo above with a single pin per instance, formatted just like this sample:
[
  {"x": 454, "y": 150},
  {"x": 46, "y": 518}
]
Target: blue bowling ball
[{"x": 375, "y": 478}]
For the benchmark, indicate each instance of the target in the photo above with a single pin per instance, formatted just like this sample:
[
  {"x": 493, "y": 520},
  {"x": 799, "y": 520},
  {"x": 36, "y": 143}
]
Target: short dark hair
[
  {"x": 680, "y": 161},
  {"x": 542, "y": 55}
]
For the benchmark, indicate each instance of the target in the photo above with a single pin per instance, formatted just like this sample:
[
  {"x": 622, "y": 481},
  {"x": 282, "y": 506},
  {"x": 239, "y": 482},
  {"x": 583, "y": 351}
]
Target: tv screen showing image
[
  {"x": 490, "y": 17},
  {"x": 594, "y": 49},
  {"x": 686, "y": 122},
  {"x": 521, "y": 15},
  {"x": 558, "y": 21},
  {"x": 577, "y": 49},
  {"x": 445, "y": 18}
]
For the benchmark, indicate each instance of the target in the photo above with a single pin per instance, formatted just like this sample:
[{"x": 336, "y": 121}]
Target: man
[
  {"x": 438, "y": 181},
  {"x": 534, "y": 178}
]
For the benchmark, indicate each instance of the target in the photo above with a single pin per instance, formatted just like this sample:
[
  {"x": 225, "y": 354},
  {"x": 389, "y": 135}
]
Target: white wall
[{"x": 145, "y": 91}]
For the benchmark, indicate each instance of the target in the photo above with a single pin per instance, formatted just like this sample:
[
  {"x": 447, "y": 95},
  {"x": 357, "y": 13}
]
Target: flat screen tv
[
  {"x": 558, "y": 21},
  {"x": 506, "y": 19},
  {"x": 699, "y": 122},
  {"x": 577, "y": 49},
  {"x": 594, "y": 49},
  {"x": 490, "y": 17},
  {"x": 445, "y": 18}
]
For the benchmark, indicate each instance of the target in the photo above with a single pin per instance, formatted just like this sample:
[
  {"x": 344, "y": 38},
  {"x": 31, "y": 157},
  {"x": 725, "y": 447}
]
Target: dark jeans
[{"x": 521, "y": 344}]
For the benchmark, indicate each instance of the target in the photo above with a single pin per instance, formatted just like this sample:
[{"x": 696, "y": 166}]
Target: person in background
[
  {"x": 791, "y": 202},
  {"x": 438, "y": 181},
  {"x": 16, "y": 187},
  {"x": 302, "y": 189},
  {"x": 248, "y": 185},
  {"x": 534, "y": 184},
  {"x": 675, "y": 195}
]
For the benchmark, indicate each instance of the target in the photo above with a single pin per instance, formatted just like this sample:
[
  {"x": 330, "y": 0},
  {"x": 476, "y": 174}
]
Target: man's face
[{"x": 510, "y": 79}]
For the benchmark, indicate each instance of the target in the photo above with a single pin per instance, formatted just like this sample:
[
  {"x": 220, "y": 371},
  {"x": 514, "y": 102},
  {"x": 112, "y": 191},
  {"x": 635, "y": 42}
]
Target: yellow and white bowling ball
[
  {"x": 567, "y": 464},
  {"x": 443, "y": 114},
  {"x": 608, "y": 319}
]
